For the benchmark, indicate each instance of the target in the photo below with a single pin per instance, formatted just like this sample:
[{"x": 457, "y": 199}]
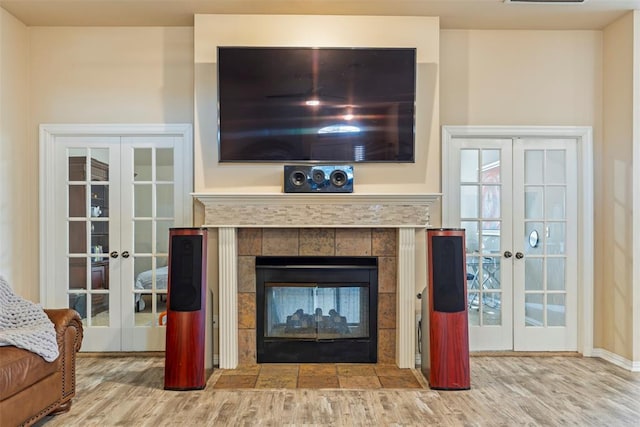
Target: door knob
[
  {"x": 519, "y": 255},
  {"x": 125, "y": 254},
  {"x": 114, "y": 254},
  {"x": 507, "y": 254}
]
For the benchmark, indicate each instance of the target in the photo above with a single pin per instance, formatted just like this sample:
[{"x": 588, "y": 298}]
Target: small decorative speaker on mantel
[{"x": 318, "y": 179}]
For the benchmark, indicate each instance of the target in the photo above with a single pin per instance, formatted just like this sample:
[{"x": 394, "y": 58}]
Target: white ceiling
[{"x": 468, "y": 14}]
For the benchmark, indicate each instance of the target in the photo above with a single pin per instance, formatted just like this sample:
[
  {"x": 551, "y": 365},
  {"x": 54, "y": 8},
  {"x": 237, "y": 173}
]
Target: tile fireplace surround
[{"x": 407, "y": 213}]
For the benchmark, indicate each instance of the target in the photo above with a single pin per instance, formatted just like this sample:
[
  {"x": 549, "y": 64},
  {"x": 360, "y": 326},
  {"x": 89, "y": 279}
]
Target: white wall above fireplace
[
  {"x": 409, "y": 213},
  {"x": 421, "y": 33}
]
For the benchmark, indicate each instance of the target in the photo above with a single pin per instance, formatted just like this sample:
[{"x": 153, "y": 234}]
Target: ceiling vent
[{"x": 546, "y": 1}]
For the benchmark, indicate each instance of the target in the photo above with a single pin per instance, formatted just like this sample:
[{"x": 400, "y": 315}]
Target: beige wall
[
  {"x": 614, "y": 231},
  {"x": 503, "y": 77},
  {"x": 288, "y": 30},
  {"x": 18, "y": 164},
  {"x": 76, "y": 75},
  {"x": 104, "y": 75},
  {"x": 111, "y": 75}
]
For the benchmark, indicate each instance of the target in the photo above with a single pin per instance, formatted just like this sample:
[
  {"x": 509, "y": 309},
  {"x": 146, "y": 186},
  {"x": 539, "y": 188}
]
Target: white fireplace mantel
[{"x": 227, "y": 212}]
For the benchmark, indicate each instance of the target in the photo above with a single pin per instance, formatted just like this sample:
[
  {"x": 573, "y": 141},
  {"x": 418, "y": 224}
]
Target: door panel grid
[
  {"x": 83, "y": 228},
  {"x": 545, "y": 303},
  {"x": 545, "y": 200},
  {"x": 516, "y": 200},
  {"x": 149, "y": 208},
  {"x": 153, "y": 202},
  {"x": 480, "y": 215},
  {"x": 111, "y": 225}
]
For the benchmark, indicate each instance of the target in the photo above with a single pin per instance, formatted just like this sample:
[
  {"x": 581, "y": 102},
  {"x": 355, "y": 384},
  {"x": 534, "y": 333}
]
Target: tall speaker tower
[
  {"x": 448, "y": 367},
  {"x": 186, "y": 306}
]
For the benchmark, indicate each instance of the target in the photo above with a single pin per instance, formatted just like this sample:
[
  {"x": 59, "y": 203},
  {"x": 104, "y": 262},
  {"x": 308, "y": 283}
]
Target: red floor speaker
[
  {"x": 186, "y": 306},
  {"x": 448, "y": 316}
]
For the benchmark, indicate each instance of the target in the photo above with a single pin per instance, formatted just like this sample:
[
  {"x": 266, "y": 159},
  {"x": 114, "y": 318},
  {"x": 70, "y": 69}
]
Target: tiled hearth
[
  {"x": 309, "y": 224},
  {"x": 378, "y": 242},
  {"x": 319, "y": 376}
]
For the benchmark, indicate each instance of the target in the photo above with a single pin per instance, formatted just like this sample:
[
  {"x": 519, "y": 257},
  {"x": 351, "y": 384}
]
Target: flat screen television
[{"x": 284, "y": 104}]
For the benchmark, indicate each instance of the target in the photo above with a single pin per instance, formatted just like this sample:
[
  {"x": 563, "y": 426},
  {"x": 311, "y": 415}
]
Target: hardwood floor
[{"x": 505, "y": 391}]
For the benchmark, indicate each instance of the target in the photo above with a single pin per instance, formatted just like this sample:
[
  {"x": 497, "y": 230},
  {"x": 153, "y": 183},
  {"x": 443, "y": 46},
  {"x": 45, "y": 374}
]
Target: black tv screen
[{"x": 282, "y": 104}]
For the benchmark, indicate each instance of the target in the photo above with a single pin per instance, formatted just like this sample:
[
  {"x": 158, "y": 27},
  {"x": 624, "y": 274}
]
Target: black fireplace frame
[{"x": 308, "y": 269}]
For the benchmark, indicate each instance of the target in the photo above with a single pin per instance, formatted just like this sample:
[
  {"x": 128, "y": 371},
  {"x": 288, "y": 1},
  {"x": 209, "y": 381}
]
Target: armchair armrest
[
  {"x": 63, "y": 319},
  {"x": 69, "y": 334}
]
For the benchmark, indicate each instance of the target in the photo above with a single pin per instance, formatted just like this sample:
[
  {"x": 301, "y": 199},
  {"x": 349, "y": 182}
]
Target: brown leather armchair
[{"x": 30, "y": 387}]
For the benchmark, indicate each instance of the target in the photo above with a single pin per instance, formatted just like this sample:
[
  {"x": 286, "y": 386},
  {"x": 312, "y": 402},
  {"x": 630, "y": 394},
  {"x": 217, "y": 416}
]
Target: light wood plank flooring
[{"x": 505, "y": 391}]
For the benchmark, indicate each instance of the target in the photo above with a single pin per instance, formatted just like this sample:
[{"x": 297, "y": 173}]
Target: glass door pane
[
  {"x": 545, "y": 187},
  {"x": 86, "y": 232},
  {"x": 545, "y": 201},
  {"x": 481, "y": 187},
  {"x": 153, "y": 207},
  {"x": 149, "y": 210},
  {"x": 480, "y": 215},
  {"x": 88, "y": 192}
]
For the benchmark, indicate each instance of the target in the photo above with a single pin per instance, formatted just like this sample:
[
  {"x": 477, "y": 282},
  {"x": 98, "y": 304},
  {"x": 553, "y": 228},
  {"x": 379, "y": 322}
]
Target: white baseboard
[
  {"x": 597, "y": 352},
  {"x": 616, "y": 359}
]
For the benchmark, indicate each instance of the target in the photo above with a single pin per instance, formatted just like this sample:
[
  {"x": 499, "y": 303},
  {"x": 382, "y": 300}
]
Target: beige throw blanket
[{"x": 25, "y": 325}]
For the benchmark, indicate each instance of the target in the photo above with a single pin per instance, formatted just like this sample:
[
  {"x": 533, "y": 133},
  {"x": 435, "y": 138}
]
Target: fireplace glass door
[{"x": 316, "y": 311}]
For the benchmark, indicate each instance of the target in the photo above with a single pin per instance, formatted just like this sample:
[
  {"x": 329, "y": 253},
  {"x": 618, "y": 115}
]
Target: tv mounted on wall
[{"x": 283, "y": 104}]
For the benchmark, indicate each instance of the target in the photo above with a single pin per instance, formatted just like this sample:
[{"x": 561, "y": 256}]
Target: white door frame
[
  {"x": 48, "y": 135},
  {"x": 584, "y": 137}
]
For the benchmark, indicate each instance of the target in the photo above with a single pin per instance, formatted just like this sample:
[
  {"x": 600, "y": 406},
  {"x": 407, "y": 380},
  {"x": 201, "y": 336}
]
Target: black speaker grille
[
  {"x": 185, "y": 287},
  {"x": 448, "y": 274}
]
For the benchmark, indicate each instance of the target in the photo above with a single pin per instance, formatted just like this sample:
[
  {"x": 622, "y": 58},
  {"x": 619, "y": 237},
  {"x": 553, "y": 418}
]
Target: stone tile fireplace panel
[
  {"x": 386, "y": 311},
  {"x": 249, "y": 241},
  {"x": 296, "y": 243},
  {"x": 280, "y": 241},
  {"x": 246, "y": 346},
  {"x": 246, "y": 310},
  {"x": 387, "y": 274},
  {"x": 386, "y": 346},
  {"x": 317, "y": 242},
  {"x": 246, "y": 273},
  {"x": 353, "y": 242},
  {"x": 383, "y": 242}
]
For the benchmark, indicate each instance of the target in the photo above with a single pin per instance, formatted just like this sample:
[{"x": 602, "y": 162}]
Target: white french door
[
  {"x": 517, "y": 200},
  {"x": 115, "y": 199},
  {"x": 545, "y": 230},
  {"x": 479, "y": 197}
]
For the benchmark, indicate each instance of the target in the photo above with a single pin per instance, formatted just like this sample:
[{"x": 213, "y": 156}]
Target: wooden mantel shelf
[{"x": 316, "y": 210}]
